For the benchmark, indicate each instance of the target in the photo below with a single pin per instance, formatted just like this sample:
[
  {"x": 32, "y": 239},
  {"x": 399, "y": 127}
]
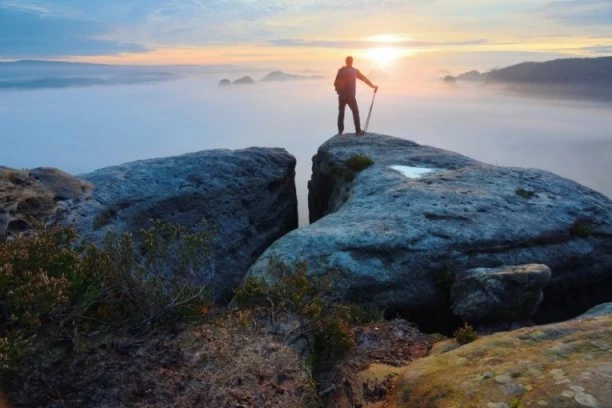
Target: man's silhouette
[{"x": 346, "y": 87}]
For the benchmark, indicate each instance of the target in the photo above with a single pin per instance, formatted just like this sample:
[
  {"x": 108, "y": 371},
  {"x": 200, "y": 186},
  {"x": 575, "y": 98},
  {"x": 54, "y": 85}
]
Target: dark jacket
[{"x": 346, "y": 81}]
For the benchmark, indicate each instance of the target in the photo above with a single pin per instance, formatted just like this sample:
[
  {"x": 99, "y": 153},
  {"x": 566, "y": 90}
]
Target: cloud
[
  {"x": 593, "y": 49},
  {"x": 578, "y": 12},
  {"x": 61, "y": 28},
  {"x": 599, "y": 49},
  {"x": 358, "y": 44},
  {"x": 29, "y": 31}
]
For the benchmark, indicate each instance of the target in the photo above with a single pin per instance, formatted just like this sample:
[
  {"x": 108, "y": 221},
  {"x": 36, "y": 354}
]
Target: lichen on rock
[{"x": 522, "y": 370}]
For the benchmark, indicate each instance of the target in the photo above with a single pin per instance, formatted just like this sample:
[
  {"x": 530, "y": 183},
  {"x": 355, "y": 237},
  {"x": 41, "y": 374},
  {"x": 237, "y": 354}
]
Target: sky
[{"x": 444, "y": 34}]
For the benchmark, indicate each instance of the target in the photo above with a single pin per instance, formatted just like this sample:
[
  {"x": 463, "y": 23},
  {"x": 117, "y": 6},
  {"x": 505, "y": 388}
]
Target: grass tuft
[
  {"x": 358, "y": 162},
  {"x": 465, "y": 334},
  {"x": 526, "y": 194},
  {"x": 581, "y": 229}
]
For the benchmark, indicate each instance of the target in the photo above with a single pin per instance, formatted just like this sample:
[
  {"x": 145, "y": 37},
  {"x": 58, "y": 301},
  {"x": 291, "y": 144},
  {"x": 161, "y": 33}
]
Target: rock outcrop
[
  {"x": 245, "y": 80},
  {"x": 248, "y": 196},
  {"x": 563, "y": 72},
  {"x": 506, "y": 294},
  {"x": 29, "y": 198},
  {"x": 280, "y": 76},
  {"x": 396, "y": 232},
  {"x": 566, "y": 364},
  {"x": 599, "y": 310}
]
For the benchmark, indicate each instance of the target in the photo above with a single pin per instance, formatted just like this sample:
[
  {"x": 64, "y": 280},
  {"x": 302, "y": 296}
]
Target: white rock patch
[
  {"x": 412, "y": 172},
  {"x": 586, "y": 400}
]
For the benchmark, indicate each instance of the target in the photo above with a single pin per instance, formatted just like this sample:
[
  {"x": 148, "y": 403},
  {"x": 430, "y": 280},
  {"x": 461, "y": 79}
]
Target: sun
[{"x": 383, "y": 56}]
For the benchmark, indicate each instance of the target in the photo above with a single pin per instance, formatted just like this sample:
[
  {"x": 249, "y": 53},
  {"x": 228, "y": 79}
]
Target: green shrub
[
  {"x": 252, "y": 292},
  {"x": 581, "y": 229},
  {"x": 52, "y": 289},
  {"x": 465, "y": 334},
  {"x": 358, "y": 162},
  {"x": 515, "y": 403},
  {"x": 292, "y": 291},
  {"x": 295, "y": 291},
  {"x": 525, "y": 193},
  {"x": 170, "y": 277},
  {"x": 357, "y": 314},
  {"x": 343, "y": 173},
  {"x": 36, "y": 286},
  {"x": 444, "y": 278}
]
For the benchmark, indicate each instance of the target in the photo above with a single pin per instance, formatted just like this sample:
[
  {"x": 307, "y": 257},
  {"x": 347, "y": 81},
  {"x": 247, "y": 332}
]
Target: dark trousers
[{"x": 352, "y": 103}]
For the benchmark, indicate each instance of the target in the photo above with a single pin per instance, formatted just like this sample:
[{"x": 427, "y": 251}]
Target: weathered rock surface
[
  {"x": 560, "y": 365},
  {"x": 38, "y": 196},
  {"x": 504, "y": 294},
  {"x": 397, "y": 241},
  {"x": 247, "y": 195},
  {"x": 599, "y": 310}
]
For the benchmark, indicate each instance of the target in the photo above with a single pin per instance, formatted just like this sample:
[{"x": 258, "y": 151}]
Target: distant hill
[
  {"x": 283, "y": 76},
  {"x": 562, "y": 71},
  {"x": 583, "y": 78},
  {"x": 34, "y": 74},
  {"x": 472, "y": 76},
  {"x": 66, "y": 82},
  {"x": 569, "y": 71},
  {"x": 245, "y": 80},
  {"x": 40, "y": 74},
  {"x": 274, "y": 76},
  {"x": 39, "y": 63}
]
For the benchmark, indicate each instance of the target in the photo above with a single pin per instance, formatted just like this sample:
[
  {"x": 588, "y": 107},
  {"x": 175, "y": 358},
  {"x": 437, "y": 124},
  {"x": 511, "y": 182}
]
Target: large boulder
[
  {"x": 505, "y": 294},
  {"x": 29, "y": 198},
  {"x": 247, "y": 196},
  {"x": 599, "y": 310},
  {"x": 566, "y": 364},
  {"x": 396, "y": 232}
]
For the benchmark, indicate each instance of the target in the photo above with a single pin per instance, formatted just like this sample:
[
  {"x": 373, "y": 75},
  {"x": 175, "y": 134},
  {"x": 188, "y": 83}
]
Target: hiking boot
[{"x": 360, "y": 133}]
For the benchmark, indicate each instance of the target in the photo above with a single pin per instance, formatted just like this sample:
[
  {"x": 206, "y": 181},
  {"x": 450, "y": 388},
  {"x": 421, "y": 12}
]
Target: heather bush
[
  {"x": 293, "y": 290},
  {"x": 359, "y": 162},
  {"x": 36, "y": 273},
  {"x": 54, "y": 290},
  {"x": 169, "y": 273},
  {"x": 465, "y": 334}
]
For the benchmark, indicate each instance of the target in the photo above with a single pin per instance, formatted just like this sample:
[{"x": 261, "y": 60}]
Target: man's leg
[
  {"x": 352, "y": 103},
  {"x": 341, "y": 109}
]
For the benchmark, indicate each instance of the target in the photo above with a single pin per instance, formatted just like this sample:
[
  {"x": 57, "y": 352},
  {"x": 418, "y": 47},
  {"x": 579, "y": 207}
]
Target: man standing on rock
[{"x": 346, "y": 87}]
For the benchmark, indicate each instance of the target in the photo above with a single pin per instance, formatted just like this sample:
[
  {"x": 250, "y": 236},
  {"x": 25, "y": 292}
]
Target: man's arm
[{"x": 366, "y": 80}]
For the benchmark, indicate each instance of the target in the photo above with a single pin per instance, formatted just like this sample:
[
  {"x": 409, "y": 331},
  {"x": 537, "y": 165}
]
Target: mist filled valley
[{"x": 79, "y": 129}]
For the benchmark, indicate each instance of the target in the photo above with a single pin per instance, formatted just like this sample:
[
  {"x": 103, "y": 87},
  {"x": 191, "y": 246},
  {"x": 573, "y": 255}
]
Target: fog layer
[{"x": 82, "y": 129}]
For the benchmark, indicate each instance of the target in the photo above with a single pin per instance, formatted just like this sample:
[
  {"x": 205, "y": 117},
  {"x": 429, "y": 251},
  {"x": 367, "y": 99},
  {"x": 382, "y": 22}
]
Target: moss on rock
[{"x": 566, "y": 364}]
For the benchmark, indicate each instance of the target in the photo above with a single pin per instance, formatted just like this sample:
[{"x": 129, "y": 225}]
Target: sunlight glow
[
  {"x": 389, "y": 38},
  {"x": 385, "y": 56}
]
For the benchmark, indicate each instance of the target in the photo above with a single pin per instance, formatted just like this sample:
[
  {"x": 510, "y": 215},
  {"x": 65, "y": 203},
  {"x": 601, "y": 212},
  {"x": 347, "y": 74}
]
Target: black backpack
[{"x": 339, "y": 82}]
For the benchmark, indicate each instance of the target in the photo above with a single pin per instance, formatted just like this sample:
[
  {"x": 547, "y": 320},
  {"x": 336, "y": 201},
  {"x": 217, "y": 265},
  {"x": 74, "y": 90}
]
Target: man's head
[{"x": 349, "y": 61}]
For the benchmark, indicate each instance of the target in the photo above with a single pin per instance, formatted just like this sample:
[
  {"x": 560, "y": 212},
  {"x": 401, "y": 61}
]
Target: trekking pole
[{"x": 370, "y": 112}]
